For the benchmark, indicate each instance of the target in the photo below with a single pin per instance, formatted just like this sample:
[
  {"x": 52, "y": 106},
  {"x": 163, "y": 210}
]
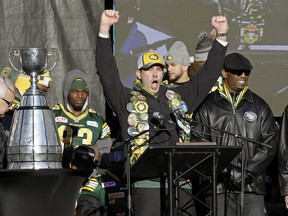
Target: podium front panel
[{"x": 153, "y": 163}]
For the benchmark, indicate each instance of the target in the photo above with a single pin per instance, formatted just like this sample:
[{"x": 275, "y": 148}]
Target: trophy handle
[
  {"x": 53, "y": 50},
  {"x": 16, "y": 52}
]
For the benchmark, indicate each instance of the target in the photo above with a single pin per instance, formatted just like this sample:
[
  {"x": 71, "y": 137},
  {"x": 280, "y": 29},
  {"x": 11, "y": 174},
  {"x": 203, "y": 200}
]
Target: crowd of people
[{"x": 155, "y": 112}]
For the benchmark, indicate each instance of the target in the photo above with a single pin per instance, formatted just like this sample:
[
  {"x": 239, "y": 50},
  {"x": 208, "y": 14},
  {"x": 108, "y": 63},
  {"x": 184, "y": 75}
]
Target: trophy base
[{"x": 34, "y": 165}]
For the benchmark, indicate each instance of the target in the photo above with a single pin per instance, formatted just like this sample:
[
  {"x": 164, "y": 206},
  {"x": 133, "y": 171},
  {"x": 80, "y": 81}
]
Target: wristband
[{"x": 221, "y": 34}]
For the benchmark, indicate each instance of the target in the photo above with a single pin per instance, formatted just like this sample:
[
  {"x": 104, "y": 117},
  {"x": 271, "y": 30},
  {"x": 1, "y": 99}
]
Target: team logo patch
[
  {"x": 250, "y": 116},
  {"x": 108, "y": 184},
  {"x": 141, "y": 107},
  {"x": 92, "y": 123},
  {"x": 153, "y": 57},
  {"x": 169, "y": 57},
  {"x": 61, "y": 119}
]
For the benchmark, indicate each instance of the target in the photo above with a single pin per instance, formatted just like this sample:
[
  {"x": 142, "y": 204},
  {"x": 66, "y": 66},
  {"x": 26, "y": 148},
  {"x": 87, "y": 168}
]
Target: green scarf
[{"x": 223, "y": 91}]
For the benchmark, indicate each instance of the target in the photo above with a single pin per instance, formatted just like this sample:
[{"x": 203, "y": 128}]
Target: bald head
[{"x": 7, "y": 94}]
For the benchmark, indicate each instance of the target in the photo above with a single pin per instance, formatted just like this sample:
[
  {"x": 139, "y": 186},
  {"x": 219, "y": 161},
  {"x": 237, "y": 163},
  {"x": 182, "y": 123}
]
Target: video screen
[{"x": 258, "y": 29}]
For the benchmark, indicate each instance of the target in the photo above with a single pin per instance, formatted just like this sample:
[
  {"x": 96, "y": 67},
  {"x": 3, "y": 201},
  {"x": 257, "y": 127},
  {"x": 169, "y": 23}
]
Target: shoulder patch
[
  {"x": 56, "y": 107},
  {"x": 91, "y": 184},
  {"x": 92, "y": 110}
]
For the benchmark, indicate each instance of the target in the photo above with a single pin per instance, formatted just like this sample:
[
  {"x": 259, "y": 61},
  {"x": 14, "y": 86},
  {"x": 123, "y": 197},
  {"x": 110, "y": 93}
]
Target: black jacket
[
  {"x": 283, "y": 154},
  {"x": 252, "y": 119}
]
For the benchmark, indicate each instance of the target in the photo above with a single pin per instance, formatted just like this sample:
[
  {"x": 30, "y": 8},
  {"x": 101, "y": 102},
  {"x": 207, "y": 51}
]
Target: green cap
[{"x": 79, "y": 83}]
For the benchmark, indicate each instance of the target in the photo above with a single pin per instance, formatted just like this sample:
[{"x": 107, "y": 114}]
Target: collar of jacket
[{"x": 247, "y": 96}]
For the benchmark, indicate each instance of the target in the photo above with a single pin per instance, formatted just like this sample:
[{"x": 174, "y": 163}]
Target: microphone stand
[
  {"x": 128, "y": 171},
  {"x": 237, "y": 136},
  {"x": 128, "y": 166}
]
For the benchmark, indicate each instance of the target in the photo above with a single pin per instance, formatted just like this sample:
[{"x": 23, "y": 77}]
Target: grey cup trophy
[{"x": 33, "y": 141}]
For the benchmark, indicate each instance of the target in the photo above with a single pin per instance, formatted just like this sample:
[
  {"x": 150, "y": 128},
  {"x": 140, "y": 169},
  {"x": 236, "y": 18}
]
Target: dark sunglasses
[
  {"x": 8, "y": 103},
  {"x": 240, "y": 72}
]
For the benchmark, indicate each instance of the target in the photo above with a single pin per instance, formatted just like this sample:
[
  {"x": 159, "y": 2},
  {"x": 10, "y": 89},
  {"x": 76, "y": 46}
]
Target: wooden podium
[{"x": 184, "y": 161}]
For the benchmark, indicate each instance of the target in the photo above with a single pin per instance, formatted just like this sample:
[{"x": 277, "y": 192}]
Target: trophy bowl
[{"x": 33, "y": 61}]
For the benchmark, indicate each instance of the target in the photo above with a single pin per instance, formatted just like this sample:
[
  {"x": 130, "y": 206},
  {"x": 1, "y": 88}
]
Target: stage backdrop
[
  {"x": 258, "y": 30},
  {"x": 70, "y": 26}
]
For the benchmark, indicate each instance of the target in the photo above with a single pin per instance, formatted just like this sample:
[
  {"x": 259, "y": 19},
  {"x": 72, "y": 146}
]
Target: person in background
[
  {"x": 22, "y": 83},
  {"x": 204, "y": 44},
  {"x": 202, "y": 49},
  {"x": 7, "y": 94},
  {"x": 77, "y": 123},
  {"x": 136, "y": 108},
  {"x": 106, "y": 192},
  {"x": 234, "y": 108},
  {"x": 177, "y": 64},
  {"x": 282, "y": 157}
]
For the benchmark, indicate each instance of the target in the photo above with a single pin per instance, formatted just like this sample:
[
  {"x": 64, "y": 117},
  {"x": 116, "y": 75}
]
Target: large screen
[{"x": 258, "y": 30}]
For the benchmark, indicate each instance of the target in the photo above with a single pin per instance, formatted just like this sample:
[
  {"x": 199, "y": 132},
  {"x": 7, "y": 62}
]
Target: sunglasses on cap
[
  {"x": 9, "y": 104},
  {"x": 240, "y": 72}
]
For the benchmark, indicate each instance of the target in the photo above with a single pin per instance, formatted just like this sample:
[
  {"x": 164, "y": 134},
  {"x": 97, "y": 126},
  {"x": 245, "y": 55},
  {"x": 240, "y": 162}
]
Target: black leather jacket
[
  {"x": 283, "y": 154},
  {"x": 251, "y": 119}
]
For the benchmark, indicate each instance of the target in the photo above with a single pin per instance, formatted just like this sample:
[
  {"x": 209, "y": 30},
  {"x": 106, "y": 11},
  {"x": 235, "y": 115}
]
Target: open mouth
[{"x": 154, "y": 84}]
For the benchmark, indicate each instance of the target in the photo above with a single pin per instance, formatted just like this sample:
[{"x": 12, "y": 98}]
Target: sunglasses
[
  {"x": 240, "y": 72},
  {"x": 8, "y": 103}
]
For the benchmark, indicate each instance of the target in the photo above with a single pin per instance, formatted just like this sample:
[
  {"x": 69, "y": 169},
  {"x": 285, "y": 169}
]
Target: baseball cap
[
  {"x": 148, "y": 59},
  {"x": 237, "y": 62}
]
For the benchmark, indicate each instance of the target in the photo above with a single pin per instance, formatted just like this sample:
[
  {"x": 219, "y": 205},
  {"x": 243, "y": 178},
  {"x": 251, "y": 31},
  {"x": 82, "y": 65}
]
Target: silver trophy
[{"x": 33, "y": 141}]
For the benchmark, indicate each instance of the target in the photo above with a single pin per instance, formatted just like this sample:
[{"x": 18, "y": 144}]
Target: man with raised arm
[{"x": 138, "y": 109}]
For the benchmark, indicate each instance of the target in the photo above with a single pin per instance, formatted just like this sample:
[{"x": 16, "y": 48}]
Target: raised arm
[
  {"x": 220, "y": 24},
  {"x": 200, "y": 85},
  {"x": 108, "y": 18},
  {"x": 115, "y": 92}
]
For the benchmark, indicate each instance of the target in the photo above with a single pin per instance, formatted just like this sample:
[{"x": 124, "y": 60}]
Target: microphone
[
  {"x": 179, "y": 113},
  {"x": 162, "y": 120}
]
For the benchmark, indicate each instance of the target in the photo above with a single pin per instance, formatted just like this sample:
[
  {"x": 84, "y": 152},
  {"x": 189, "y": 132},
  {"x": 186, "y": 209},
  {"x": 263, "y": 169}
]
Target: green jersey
[
  {"x": 102, "y": 194},
  {"x": 84, "y": 129}
]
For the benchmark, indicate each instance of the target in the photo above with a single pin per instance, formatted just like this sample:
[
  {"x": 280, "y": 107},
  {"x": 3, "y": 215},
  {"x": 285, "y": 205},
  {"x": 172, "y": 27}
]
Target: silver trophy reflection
[{"x": 33, "y": 142}]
